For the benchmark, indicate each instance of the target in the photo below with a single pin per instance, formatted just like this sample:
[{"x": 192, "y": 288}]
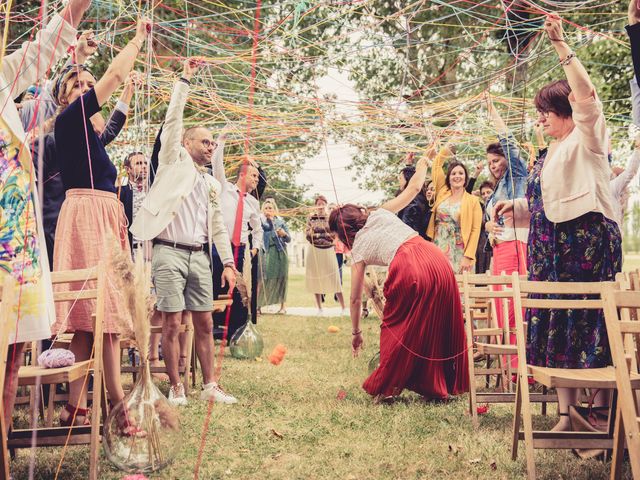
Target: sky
[{"x": 336, "y": 156}]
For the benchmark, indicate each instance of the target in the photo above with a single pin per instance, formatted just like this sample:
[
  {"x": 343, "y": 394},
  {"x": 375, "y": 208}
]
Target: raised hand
[
  {"x": 553, "y": 27},
  {"x": 190, "y": 66},
  {"x": 143, "y": 29},
  {"x": 479, "y": 168},
  {"x": 86, "y": 46}
]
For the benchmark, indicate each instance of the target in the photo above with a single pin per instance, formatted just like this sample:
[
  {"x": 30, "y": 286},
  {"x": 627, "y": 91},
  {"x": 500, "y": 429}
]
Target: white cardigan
[
  {"x": 174, "y": 180},
  {"x": 575, "y": 176}
]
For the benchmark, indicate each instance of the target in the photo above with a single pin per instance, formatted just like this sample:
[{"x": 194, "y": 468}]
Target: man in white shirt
[
  {"x": 181, "y": 214},
  {"x": 233, "y": 197}
]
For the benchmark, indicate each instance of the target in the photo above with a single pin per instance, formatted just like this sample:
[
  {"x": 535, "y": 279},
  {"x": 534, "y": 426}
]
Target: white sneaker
[
  {"x": 213, "y": 391},
  {"x": 177, "y": 396},
  {"x": 320, "y": 313},
  {"x": 345, "y": 312}
]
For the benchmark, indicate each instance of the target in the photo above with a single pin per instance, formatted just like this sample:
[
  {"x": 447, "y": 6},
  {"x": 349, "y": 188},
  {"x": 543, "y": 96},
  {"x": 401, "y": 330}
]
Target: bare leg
[
  {"x": 205, "y": 349},
  {"x": 340, "y": 299},
  {"x": 171, "y": 344},
  {"x": 111, "y": 365},
  {"x": 186, "y": 315},
  {"x": 319, "y": 301},
  {"x": 154, "y": 343},
  {"x": 602, "y": 398},
  {"x": 14, "y": 360},
  {"x": 566, "y": 397},
  {"x": 81, "y": 344},
  {"x": 154, "y": 340}
]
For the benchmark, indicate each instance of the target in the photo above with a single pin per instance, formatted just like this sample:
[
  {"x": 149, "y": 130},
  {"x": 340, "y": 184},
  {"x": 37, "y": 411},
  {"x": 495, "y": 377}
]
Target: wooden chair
[
  {"x": 599, "y": 378},
  {"x": 623, "y": 330},
  {"x": 478, "y": 298},
  {"x": 75, "y": 282},
  {"x": 492, "y": 289},
  {"x": 190, "y": 366}
]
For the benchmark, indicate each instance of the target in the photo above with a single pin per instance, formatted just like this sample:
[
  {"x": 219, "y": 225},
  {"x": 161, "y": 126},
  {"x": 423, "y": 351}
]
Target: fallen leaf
[
  {"x": 341, "y": 395},
  {"x": 277, "y": 434},
  {"x": 493, "y": 465},
  {"x": 453, "y": 449}
]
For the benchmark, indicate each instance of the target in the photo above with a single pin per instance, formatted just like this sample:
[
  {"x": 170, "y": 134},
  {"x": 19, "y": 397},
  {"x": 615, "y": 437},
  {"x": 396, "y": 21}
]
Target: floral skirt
[{"x": 586, "y": 249}]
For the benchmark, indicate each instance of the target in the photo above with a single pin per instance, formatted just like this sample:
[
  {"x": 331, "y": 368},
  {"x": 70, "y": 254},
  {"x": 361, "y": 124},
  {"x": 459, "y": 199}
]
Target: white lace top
[{"x": 380, "y": 238}]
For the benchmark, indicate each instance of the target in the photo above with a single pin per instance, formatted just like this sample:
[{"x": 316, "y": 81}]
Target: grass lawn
[{"x": 289, "y": 423}]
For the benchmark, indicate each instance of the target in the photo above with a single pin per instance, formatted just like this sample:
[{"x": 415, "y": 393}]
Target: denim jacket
[
  {"x": 506, "y": 189},
  {"x": 269, "y": 235}
]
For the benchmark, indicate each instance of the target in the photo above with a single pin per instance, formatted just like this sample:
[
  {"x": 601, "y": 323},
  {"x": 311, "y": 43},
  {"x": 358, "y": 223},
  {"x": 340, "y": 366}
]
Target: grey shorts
[{"x": 182, "y": 279}]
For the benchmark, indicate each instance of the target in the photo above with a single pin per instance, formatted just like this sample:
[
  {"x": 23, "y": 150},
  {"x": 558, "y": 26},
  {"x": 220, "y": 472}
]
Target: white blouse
[{"x": 380, "y": 238}]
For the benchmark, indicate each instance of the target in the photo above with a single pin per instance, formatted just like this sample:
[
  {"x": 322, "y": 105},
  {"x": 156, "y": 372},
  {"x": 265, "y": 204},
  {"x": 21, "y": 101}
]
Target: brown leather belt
[{"x": 180, "y": 246}]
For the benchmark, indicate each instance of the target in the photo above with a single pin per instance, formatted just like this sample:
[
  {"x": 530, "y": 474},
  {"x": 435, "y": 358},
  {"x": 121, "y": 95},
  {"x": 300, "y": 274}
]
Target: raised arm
[
  {"x": 122, "y": 64},
  {"x": 74, "y": 11},
  {"x": 217, "y": 162},
  {"x": 32, "y": 61},
  {"x": 118, "y": 117},
  {"x": 411, "y": 190},
  {"x": 494, "y": 116},
  {"x": 633, "y": 30},
  {"x": 577, "y": 75},
  {"x": 437, "y": 169},
  {"x": 171, "y": 132}
]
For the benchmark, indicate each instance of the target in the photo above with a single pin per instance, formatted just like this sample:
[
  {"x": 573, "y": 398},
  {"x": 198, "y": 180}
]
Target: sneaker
[
  {"x": 320, "y": 313},
  {"x": 212, "y": 391},
  {"x": 345, "y": 312},
  {"x": 177, "y": 396}
]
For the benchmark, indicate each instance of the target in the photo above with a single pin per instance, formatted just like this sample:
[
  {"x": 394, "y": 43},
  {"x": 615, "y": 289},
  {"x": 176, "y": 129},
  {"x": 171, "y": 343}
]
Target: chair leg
[
  {"x": 473, "y": 407},
  {"x": 525, "y": 406},
  {"x": 544, "y": 404},
  {"x": 516, "y": 423},
  {"x": 618, "y": 446},
  {"x": 51, "y": 405}
]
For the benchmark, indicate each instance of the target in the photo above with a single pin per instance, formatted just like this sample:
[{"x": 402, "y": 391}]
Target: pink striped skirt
[{"x": 88, "y": 220}]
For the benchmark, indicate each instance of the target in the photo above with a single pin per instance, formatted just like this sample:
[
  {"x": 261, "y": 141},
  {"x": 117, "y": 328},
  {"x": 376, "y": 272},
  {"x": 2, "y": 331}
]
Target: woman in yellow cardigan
[{"x": 457, "y": 216}]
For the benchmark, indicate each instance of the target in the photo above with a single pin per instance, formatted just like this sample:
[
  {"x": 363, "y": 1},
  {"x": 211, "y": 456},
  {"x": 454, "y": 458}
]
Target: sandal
[{"x": 74, "y": 413}]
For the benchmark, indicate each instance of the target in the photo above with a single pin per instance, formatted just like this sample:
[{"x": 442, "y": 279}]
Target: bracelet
[
  {"x": 230, "y": 265},
  {"x": 567, "y": 60},
  {"x": 185, "y": 80},
  {"x": 135, "y": 44},
  {"x": 359, "y": 332}
]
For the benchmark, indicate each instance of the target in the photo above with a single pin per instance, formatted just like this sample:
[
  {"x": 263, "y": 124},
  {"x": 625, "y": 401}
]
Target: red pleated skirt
[{"x": 422, "y": 338}]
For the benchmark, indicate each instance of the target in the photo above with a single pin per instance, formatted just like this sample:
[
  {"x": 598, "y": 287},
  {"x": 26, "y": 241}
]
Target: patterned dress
[
  {"x": 586, "y": 249},
  {"x": 447, "y": 234},
  {"x": 20, "y": 254}
]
